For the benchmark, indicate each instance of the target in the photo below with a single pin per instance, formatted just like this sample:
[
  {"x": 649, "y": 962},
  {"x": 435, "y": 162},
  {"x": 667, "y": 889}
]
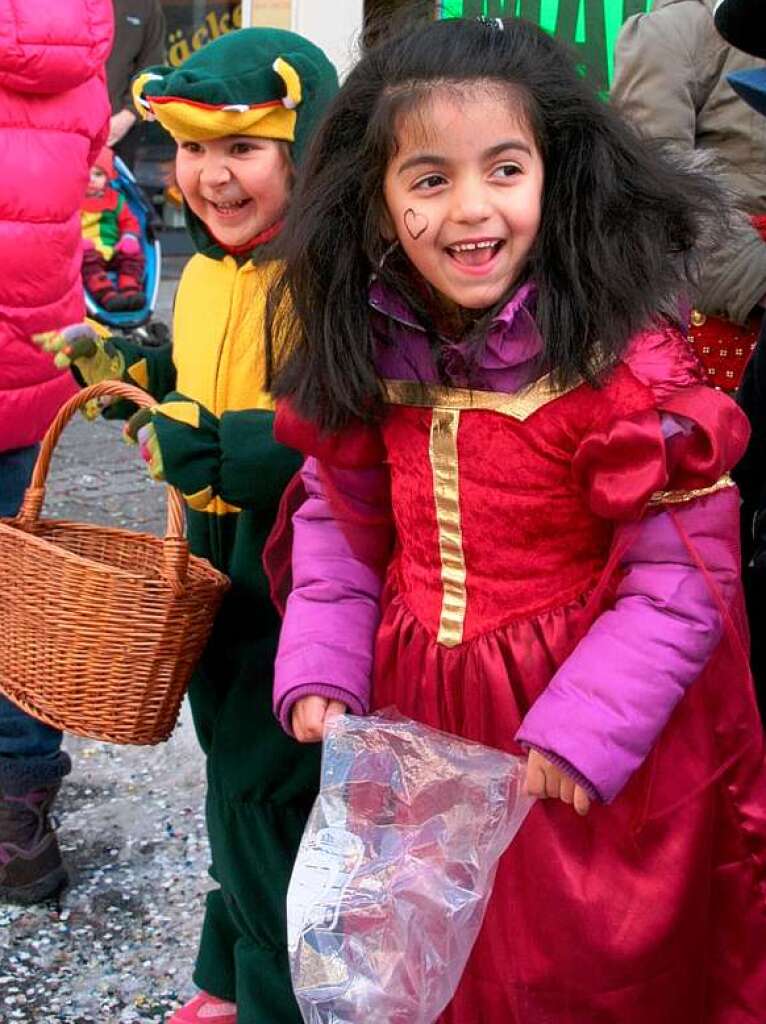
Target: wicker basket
[{"x": 100, "y": 628}]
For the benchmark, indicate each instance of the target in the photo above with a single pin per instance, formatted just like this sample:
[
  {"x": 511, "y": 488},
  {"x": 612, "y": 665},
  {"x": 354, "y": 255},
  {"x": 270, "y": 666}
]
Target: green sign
[{"x": 590, "y": 26}]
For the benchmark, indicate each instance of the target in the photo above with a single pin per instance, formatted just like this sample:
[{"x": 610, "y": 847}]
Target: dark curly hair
[{"x": 621, "y": 221}]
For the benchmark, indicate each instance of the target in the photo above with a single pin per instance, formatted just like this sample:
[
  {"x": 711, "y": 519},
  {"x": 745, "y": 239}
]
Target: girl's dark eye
[
  {"x": 432, "y": 181},
  {"x": 191, "y": 147},
  {"x": 240, "y": 148},
  {"x": 507, "y": 170}
]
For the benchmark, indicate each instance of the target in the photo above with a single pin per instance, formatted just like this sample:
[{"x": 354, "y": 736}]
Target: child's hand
[
  {"x": 129, "y": 245},
  {"x": 119, "y": 126},
  {"x": 79, "y": 348},
  {"x": 311, "y": 715},
  {"x": 179, "y": 440},
  {"x": 544, "y": 779},
  {"x": 140, "y": 430}
]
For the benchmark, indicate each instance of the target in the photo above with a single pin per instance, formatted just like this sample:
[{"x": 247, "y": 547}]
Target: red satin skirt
[{"x": 649, "y": 911}]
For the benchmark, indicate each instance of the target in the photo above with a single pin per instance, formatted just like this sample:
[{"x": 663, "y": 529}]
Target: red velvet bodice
[
  {"x": 530, "y": 539},
  {"x": 505, "y": 505}
]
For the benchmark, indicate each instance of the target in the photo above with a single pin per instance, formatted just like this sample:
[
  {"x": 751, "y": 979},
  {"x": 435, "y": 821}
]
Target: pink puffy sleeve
[
  {"x": 685, "y": 437},
  {"x": 328, "y": 554}
]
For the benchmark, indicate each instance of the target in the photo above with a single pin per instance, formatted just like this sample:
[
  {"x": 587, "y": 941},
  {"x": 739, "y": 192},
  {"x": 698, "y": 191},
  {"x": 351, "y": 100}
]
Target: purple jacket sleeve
[
  {"x": 605, "y": 707},
  {"x": 328, "y": 634}
]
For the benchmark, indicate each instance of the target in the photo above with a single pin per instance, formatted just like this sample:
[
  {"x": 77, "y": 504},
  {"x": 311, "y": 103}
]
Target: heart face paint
[{"x": 416, "y": 223}]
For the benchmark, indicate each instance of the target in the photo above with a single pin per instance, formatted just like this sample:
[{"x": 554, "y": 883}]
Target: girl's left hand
[
  {"x": 544, "y": 780},
  {"x": 310, "y": 717}
]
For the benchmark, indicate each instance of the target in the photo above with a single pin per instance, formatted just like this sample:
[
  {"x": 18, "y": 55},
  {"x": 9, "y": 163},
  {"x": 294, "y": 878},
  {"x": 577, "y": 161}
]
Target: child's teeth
[
  {"x": 468, "y": 246},
  {"x": 474, "y": 254}
]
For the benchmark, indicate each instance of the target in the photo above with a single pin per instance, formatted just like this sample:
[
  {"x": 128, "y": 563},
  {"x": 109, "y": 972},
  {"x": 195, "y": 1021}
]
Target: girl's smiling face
[
  {"x": 463, "y": 193},
  {"x": 237, "y": 185}
]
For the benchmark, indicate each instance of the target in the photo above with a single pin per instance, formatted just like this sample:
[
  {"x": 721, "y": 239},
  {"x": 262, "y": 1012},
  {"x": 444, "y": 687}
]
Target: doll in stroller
[{"x": 121, "y": 255}]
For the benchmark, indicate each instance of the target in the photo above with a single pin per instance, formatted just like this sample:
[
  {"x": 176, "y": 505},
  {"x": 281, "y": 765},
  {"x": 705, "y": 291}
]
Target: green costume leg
[
  {"x": 219, "y": 935},
  {"x": 261, "y": 787}
]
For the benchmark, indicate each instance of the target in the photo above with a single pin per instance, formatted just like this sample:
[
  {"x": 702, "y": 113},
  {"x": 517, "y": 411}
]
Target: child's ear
[{"x": 287, "y": 155}]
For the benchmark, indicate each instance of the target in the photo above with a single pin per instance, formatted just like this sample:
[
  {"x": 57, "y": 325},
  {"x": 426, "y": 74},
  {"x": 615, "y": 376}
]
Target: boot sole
[{"x": 36, "y": 892}]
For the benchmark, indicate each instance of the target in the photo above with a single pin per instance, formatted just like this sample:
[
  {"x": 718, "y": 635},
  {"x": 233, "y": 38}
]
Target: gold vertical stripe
[{"x": 444, "y": 463}]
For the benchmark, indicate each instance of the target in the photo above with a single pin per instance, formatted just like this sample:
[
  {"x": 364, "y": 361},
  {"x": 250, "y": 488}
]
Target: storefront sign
[
  {"x": 192, "y": 25},
  {"x": 591, "y": 26}
]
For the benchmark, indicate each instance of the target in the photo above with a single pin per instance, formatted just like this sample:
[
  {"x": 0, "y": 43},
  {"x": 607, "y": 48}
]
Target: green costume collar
[{"x": 262, "y": 248}]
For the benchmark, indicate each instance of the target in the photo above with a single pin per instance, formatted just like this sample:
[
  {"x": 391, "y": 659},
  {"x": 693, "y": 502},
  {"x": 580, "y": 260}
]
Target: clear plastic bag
[{"x": 395, "y": 869}]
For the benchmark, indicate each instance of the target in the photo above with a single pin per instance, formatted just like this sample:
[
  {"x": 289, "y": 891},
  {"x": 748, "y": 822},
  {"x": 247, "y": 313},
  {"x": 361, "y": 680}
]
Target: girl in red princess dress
[{"x": 515, "y": 520}]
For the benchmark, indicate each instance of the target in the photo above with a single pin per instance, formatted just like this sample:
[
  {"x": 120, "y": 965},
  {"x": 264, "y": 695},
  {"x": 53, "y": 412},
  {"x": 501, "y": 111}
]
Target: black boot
[{"x": 31, "y": 869}]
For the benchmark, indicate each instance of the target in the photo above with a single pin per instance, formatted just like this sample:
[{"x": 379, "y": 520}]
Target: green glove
[{"x": 78, "y": 347}]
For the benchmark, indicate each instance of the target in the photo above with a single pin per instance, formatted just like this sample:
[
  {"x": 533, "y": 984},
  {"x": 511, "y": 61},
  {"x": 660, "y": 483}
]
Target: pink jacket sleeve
[
  {"x": 606, "y": 706},
  {"x": 331, "y": 618}
]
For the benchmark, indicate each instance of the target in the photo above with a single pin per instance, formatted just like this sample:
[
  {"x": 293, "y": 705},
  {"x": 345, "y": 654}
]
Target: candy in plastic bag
[{"x": 395, "y": 869}]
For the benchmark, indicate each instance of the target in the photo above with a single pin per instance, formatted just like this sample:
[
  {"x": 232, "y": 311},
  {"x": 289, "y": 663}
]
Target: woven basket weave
[{"x": 100, "y": 628}]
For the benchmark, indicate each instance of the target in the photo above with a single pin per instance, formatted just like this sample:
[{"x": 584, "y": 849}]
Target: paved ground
[{"x": 119, "y": 945}]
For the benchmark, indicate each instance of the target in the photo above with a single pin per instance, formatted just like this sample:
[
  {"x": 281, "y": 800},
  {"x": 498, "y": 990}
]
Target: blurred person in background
[
  {"x": 53, "y": 120},
  {"x": 743, "y": 24},
  {"x": 139, "y": 41},
  {"x": 111, "y": 241},
  {"x": 670, "y": 70}
]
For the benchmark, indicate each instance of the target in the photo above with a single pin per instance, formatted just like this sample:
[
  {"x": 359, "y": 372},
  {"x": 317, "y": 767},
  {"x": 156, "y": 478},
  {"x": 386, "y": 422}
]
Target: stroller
[{"x": 129, "y": 319}]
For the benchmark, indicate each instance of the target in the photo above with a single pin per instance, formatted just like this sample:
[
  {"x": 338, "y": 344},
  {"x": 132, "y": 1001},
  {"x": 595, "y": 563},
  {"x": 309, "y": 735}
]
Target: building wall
[
  {"x": 335, "y": 25},
  {"x": 270, "y": 13}
]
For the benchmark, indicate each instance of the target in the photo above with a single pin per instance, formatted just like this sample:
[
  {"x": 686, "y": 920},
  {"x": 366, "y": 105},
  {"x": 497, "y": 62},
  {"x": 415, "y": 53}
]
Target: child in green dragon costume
[{"x": 241, "y": 111}]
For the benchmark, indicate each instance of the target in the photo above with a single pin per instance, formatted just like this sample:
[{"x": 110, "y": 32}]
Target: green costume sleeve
[
  {"x": 150, "y": 368},
  {"x": 255, "y": 469},
  {"x": 187, "y": 434},
  {"x": 235, "y": 458}
]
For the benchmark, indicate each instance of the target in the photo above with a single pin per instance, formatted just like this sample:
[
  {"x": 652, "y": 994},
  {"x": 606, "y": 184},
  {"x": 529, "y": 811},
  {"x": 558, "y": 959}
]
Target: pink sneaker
[{"x": 203, "y": 1009}]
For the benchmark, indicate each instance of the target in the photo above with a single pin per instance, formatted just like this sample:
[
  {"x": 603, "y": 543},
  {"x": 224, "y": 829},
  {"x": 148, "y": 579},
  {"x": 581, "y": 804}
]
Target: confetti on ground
[{"x": 118, "y": 946}]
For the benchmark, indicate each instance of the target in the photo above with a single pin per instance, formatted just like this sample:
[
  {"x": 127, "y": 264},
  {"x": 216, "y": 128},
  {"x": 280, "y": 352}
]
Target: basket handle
[{"x": 175, "y": 546}]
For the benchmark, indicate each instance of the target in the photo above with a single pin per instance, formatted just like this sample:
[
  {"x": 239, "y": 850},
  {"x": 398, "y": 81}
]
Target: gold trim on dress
[
  {"x": 444, "y": 464},
  {"x": 679, "y": 497},
  {"x": 520, "y": 405}
]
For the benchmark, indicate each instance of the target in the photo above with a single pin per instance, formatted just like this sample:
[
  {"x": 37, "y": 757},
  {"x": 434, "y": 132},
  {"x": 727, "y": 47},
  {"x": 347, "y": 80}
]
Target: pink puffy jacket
[{"x": 54, "y": 115}]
